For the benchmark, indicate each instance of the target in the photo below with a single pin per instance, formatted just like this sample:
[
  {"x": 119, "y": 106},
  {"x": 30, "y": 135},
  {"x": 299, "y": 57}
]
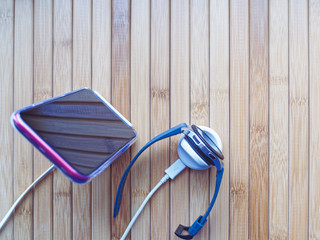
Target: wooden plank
[
  {"x": 239, "y": 119},
  {"x": 298, "y": 119},
  {"x": 314, "y": 130},
  {"x": 42, "y": 90},
  {"x": 259, "y": 129},
  {"x": 160, "y": 115},
  {"x": 82, "y": 228},
  {"x": 23, "y": 92},
  {"x": 140, "y": 113},
  {"x": 180, "y": 108},
  {"x": 6, "y": 106},
  {"x": 121, "y": 101},
  {"x": 219, "y": 111},
  {"x": 101, "y": 82},
  {"x": 278, "y": 120},
  {"x": 199, "y": 75},
  {"x": 62, "y": 83}
]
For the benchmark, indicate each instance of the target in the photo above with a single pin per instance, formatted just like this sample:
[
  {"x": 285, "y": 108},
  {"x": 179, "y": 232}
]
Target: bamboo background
[{"x": 248, "y": 69}]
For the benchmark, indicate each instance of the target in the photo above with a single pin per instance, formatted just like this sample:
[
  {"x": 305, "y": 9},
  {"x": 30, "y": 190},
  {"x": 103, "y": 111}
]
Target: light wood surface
[
  {"x": 259, "y": 128},
  {"x": 278, "y": 119},
  {"x": 248, "y": 69},
  {"x": 6, "y": 106},
  {"x": 314, "y": 114},
  {"x": 239, "y": 120}
]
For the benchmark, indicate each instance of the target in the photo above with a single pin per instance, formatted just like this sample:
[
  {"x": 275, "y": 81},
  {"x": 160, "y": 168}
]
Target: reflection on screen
[{"x": 81, "y": 128}]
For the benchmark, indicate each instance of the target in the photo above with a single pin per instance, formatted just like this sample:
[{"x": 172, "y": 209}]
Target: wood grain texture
[
  {"x": 278, "y": 119},
  {"x": 121, "y": 101},
  {"x": 179, "y": 109},
  {"x": 160, "y": 115},
  {"x": 82, "y": 223},
  {"x": 314, "y": 111},
  {"x": 199, "y": 75},
  {"x": 248, "y": 69},
  {"x": 219, "y": 112},
  {"x": 23, "y": 87},
  {"x": 298, "y": 119},
  {"x": 239, "y": 119},
  {"x": 62, "y": 82},
  {"x": 6, "y": 106},
  {"x": 140, "y": 114},
  {"x": 259, "y": 126},
  {"x": 42, "y": 90},
  {"x": 101, "y": 82}
]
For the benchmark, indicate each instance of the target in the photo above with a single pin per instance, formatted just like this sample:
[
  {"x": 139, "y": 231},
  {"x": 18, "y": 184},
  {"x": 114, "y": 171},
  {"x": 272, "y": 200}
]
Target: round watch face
[{"x": 208, "y": 141}]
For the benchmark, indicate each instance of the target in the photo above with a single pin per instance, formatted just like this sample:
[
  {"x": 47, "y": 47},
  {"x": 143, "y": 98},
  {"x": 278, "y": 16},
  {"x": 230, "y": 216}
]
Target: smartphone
[{"x": 79, "y": 132}]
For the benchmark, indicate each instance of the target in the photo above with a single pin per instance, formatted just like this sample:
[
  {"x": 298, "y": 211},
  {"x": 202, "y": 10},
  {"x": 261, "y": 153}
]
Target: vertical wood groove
[
  {"x": 259, "y": 129},
  {"x": 121, "y": 14},
  {"x": 314, "y": 117},
  {"x": 199, "y": 77},
  {"x": 239, "y": 115},
  {"x": 179, "y": 108},
  {"x": 298, "y": 113},
  {"x": 140, "y": 113},
  {"x": 278, "y": 114},
  {"x": 82, "y": 227},
  {"x": 160, "y": 115},
  {"x": 42, "y": 90},
  {"x": 220, "y": 112},
  {"x": 101, "y": 82},
  {"x": 6, "y": 106},
  {"x": 23, "y": 87}
]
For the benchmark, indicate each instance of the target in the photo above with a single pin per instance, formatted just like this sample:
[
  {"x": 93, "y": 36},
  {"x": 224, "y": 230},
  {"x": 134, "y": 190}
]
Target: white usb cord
[
  {"x": 171, "y": 172},
  {"x": 11, "y": 210}
]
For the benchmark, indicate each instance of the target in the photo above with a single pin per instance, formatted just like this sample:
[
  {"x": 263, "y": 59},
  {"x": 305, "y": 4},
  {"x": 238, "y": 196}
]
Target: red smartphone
[{"x": 79, "y": 132}]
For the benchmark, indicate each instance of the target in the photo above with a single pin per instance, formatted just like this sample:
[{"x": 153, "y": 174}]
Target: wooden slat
[
  {"x": 180, "y": 108},
  {"x": 82, "y": 228},
  {"x": 278, "y": 119},
  {"x": 23, "y": 90},
  {"x": 314, "y": 130},
  {"x": 101, "y": 82},
  {"x": 219, "y": 111},
  {"x": 62, "y": 83},
  {"x": 239, "y": 119},
  {"x": 121, "y": 101},
  {"x": 259, "y": 129},
  {"x": 199, "y": 75},
  {"x": 140, "y": 113},
  {"x": 6, "y": 106},
  {"x": 160, "y": 115},
  {"x": 42, "y": 90},
  {"x": 298, "y": 119}
]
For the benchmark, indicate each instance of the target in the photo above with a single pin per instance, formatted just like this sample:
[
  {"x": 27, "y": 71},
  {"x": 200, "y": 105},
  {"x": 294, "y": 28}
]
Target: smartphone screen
[{"x": 81, "y": 128}]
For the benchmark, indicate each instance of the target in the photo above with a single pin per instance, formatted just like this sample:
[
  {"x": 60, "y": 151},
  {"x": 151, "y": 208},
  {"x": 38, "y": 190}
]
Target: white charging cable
[
  {"x": 11, "y": 210},
  {"x": 171, "y": 172}
]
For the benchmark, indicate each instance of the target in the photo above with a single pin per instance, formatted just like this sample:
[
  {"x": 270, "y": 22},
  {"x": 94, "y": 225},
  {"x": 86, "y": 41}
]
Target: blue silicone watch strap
[
  {"x": 201, "y": 220},
  {"x": 170, "y": 132}
]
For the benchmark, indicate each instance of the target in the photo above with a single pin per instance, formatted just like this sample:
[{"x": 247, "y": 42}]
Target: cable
[
  {"x": 170, "y": 132},
  {"x": 11, "y": 210},
  {"x": 162, "y": 181},
  {"x": 171, "y": 172}
]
